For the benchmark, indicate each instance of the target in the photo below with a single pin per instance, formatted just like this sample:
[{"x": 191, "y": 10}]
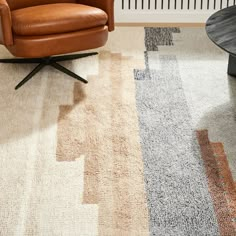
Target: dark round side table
[{"x": 221, "y": 29}]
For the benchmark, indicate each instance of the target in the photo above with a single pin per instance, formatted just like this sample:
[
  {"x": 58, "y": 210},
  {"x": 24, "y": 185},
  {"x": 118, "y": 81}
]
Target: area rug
[{"x": 148, "y": 147}]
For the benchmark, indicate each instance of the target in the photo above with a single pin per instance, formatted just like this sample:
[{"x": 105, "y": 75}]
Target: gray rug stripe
[
  {"x": 178, "y": 197},
  {"x": 155, "y": 37}
]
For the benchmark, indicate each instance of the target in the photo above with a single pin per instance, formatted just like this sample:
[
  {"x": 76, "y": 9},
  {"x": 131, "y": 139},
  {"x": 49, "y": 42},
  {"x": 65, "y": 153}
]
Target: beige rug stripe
[
  {"x": 78, "y": 136},
  {"x": 127, "y": 159},
  {"x": 113, "y": 165},
  {"x": 98, "y": 183},
  {"x": 100, "y": 143},
  {"x": 69, "y": 137}
]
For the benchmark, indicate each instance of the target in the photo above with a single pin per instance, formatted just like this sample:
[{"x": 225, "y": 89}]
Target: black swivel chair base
[{"x": 48, "y": 61}]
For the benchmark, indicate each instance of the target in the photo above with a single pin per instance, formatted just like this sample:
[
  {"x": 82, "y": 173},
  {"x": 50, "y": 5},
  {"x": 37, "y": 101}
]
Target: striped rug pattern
[{"x": 148, "y": 147}]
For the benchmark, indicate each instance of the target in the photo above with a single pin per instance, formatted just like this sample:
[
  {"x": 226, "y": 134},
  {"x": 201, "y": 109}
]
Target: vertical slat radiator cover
[{"x": 168, "y": 10}]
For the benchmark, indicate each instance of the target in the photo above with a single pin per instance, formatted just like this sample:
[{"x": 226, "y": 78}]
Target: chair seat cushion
[{"x": 56, "y": 18}]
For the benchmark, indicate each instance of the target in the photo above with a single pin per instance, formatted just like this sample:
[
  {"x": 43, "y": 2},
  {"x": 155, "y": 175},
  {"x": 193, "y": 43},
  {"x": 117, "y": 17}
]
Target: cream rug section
[{"x": 69, "y": 166}]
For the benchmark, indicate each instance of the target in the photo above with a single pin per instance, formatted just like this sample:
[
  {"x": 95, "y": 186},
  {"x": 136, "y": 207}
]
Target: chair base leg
[{"x": 48, "y": 61}]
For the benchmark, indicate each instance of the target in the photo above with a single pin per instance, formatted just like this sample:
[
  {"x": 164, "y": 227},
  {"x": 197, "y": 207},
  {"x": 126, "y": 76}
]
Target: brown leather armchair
[{"x": 35, "y": 30}]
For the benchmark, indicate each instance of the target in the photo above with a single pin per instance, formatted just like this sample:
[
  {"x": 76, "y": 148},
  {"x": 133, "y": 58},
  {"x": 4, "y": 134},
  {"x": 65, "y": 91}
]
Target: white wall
[{"x": 190, "y": 11}]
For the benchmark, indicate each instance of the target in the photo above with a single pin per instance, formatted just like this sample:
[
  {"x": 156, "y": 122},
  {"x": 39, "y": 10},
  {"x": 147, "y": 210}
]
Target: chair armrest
[
  {"x": 5, "y": 24},
  {"x": 105, "y": 5}
]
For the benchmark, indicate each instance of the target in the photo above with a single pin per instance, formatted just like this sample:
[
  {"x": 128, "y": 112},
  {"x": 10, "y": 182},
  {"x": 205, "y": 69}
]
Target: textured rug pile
[{"x": 148, "y": 147}]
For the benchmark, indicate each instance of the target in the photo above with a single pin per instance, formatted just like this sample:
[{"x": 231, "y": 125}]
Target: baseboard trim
[{"x": 140, "y": 24}]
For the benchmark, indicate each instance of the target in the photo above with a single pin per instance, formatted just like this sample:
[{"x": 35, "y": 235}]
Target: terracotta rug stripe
[{"x": 220, "y": 182}]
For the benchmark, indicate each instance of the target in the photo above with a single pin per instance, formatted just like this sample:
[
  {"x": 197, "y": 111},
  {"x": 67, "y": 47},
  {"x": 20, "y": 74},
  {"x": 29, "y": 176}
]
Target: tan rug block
[{"x": 103, "y": 125}]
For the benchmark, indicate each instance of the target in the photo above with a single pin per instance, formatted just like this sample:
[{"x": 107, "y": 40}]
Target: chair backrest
[{"x": 17, "y": 4}]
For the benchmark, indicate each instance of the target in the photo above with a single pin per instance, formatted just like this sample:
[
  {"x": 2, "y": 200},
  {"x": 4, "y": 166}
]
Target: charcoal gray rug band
[{"x": 178, "y": 198}]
